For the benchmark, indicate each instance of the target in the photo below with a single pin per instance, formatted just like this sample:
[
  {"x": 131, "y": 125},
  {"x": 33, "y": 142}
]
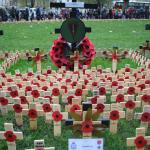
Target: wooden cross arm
[
  {"x": 2, "y": 134},
  {"x": 130, "y": 141},
  {"x": 137, "y": 104},
  {"x": 39, "y": 112},
  {"x": 107, "y": 107},
  {"x": 18, "y": 134},
  {"x": 137, "y": 115}
]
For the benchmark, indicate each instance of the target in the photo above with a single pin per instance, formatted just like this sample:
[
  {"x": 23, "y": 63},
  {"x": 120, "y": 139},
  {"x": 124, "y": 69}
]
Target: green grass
[{"x": 23, "y": 36}]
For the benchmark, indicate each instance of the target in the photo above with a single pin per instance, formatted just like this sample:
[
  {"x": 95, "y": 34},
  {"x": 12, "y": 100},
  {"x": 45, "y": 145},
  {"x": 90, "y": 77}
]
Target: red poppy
[
  {"x": 130, "y": 104},
  {"x": 64, "y": 87},
  {"x": 94, "y": 100},
  {"x": 100, "y": 107},
  {"x": 120, "y": 87},
  {"x": 49, "y": 97},
  {"x": 3, "y": 75},
  {"x": 131, "y": 90},
  {"x": 37, "y": 58},
  {"x": 127, "y": 77},
  {"x": 55, "y": 92},
  {"x": 99, "y": 70},
  {"x": 114, "y": 57},
  {"x": 45, "y": 88},
  {"x": 47, "y": 107},
  {"x": 3, "y": 101},
  {"x": 49, "y": 71},
  {"x": 120, "y": 79},
  {"x": 145, "y": 117},
  {"x": 28, "y": 88},
  {"x": 109, "y": 78},
  {"x": 147, "y": 82},
  {"x": 143, "y": 76},
  {"x": 57, "y": 116},
  {"x": 69, "y": 99},
  {"x": 74, "y": 108},
  {"x": 125, "y": 53},
  {"x": 142, "y": 86},
  {"x": 14, "y": 93},
  {"x": 87, "y": 127},
  {"x": 140, "y": 142},
  {"x": 127, "y": 69},
  {"x": 19, "y": 85},
  {"x": 102, "y": 91},
  {"x": 78, "y": 92},
  {"x": 94, "y": 84},
  {"x": 68, "y": 80},
  {"x": 114, "y": 115},
  {"x": 32, "y": 113},
  {"x": 35, "y": 93},
  {"x": 86, "y": 81},
  {"x": 17, "y": 108},
  {"x": 83, "y": 87},
  {"x": 30, "y": 74},
  {"x": 10, "y": 136},
  {"x": 145, "y": 98},
  {"x": 18, "y": 75},
  {"x": 114, "y": 83},
  {"x": 51, "y": 83},
  {"x": 9, "y": 89},
  {"x": 120, "y": 98},
  {"x": 23, "y": 100},
  {"x": 74, "y": 83},
  {"x": 9, "y": 80},
  {"x": 37, "y": 84}
]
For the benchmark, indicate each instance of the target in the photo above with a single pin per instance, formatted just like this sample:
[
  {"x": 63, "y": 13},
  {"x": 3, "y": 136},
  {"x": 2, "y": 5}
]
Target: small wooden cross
[
  {"x": 145, "y": 99},
  {"x": 130, "y": 107},
  {"x": 10, "y": 136},
  {"x": 4, "y": 102},
  {"x": 33, "y": 114},
  {"x": 144, "y": 116},
  {"x": 140, "y": 141},
  {"x": 114, "y": 115},
  {"x": 56, "y": 116},
  {"x": 17, "y": 107},
  {"x": 40, "y": 145}
]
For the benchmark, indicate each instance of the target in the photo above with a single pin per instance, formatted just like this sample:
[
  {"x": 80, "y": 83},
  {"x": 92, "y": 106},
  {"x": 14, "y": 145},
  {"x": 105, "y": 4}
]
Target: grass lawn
[{"x": 105, "y": 34}]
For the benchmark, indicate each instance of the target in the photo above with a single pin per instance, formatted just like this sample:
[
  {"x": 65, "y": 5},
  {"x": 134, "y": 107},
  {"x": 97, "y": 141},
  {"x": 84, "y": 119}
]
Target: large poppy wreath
[{"x": 60, "y": 53}]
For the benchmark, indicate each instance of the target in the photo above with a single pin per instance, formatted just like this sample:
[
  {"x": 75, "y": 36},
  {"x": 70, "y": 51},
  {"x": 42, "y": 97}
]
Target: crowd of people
[{"x": 29, "y": 14}]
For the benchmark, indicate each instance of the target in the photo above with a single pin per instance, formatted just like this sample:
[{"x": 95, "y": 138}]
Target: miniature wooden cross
[
  {"x": 144, "y": 116},
  {"x": 4, "y": 103},
  {"x": 18, "y": 111},
  {"x": 130, "y": 107},
  {"x": 40, "y": 145},
  {"x": 57, "y": 117},
  {"x": 33, "y": 114},
  {"x": 145, "y": 99},
  {"x": 114, "y": 115},
  {"x": 140, "y": 141},
  {"x": 10, "y": 136}
]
